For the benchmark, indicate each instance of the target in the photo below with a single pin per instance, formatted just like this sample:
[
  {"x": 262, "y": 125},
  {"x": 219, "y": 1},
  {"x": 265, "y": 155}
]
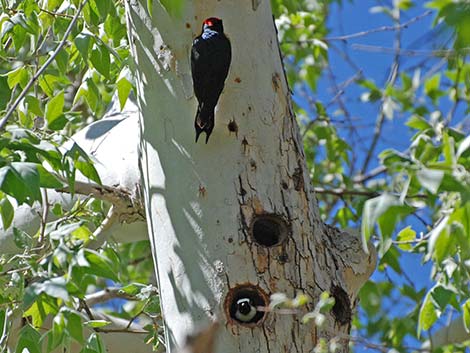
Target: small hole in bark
[
  {"x": 232, "y": 126},
  {"x": 269, "y": 230},
  {"x": 242, "y": 302},
  {"x": 342, "y": 308}
]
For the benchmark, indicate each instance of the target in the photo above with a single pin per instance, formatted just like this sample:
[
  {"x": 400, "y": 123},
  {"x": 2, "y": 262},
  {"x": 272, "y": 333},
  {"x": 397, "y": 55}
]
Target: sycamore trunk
[{"x": 236, "y": 217}]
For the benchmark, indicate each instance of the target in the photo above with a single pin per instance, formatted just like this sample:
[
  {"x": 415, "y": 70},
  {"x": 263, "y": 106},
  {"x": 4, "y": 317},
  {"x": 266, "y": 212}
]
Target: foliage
[
  {"x": 412, "y": 201},
  {"x": 54, "y": 272}
]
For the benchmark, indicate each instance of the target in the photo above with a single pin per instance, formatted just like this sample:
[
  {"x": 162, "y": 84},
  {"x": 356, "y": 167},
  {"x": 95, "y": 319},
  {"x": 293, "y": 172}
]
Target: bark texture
[{"x": 204, "y": 202}]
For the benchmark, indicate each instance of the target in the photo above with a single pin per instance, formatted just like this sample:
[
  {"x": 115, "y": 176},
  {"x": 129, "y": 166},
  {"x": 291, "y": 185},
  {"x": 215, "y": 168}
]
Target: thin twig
[
  {"x": 378, "y": 29},
  {"x": 6, "y": 322},
  {"x": 97, "y": 237},
  {"x": 107, "y": 294},
  {"x": 83, "y": 305},
  {"x": 45, "y": 211},
  {"x": 120, "y": 330},
  {"x": 411, "y": 52},
  {"x": 381, "y": 118},
  {"x": 361, "y": 178},
  {"x": 340, "y": 192},
  {"x": 43, "y": 68},
  {"x": 55, "y": 14},
  {"x": 131, "y": 321},
  {"x": 455, "y": 87}
]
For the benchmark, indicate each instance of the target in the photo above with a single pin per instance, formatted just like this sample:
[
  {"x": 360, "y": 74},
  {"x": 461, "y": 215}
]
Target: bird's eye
[{"x": 246, "y": 311}]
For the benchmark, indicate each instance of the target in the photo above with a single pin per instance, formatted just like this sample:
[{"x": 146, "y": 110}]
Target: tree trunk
[{"x": 235, "y": 218}]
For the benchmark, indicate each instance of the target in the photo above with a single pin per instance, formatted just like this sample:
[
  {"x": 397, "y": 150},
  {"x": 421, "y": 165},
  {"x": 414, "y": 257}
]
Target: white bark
[{"x": 201, "y": 199}]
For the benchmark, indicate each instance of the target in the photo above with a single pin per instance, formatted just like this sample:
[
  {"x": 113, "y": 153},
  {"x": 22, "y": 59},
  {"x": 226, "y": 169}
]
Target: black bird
[{"x": 211, "y": 54}]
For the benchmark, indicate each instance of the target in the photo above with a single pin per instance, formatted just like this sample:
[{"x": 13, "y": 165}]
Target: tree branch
[
  {"x": 447, "y": 53},
  {"x": 127, "y": 208},
  {"x": 378, "y": 29},
  {"x": 107, "y": 294}
]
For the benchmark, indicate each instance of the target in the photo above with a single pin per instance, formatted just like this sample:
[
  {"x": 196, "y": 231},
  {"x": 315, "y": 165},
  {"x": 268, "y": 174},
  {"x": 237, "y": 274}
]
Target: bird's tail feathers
[{"x": 204, "y": 122}]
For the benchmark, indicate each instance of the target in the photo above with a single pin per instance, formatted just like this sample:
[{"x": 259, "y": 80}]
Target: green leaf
[
  {"x": 21, "y": 238},
  {"x": 133, "y": 288},
  {"x": 48, "y": 83},
  {"x": 373, "y": 209},
  {"x": 28, "y": 340},
  {"x": 83, "y": 163},
  {"x": 74, "y": 324},
  {"x": 5, "y": 92},
  {"x": 123, "y": 86},
  {"x": 62, "y": 60},
  {"x": 430, "y": 178},
  {"x": 6, "y": 212},
  {"x": 96, "y": 323},
  {"x": 47, "y": 179},
  {"x": 100, "y": 59},
  {"x": 391, "y": 258},
  {"x": 417, "y": 122},
  {"x": 53, "y": 4},
  {"x": 432, "y": 84},
  {"x": 427, "y": 314},
  {"x": 463, "y": 146},
  {"x": 54, "y": 108},
  {"x": 90, "y": 92},
  {"x": 33, "y": 105},
  {"x": 90, "y": 13},
  {"x": 445, "y": 245},
  {"x": 94, "y": 344},
  {"x": 19, "y": 76},
  {"x": 435, "y": 233},
  {"x": 21, "y": 181},
  {"x": 57, "y": 333},
  {"x": 466, "y": 315},
  {"x": 150, "y": 7},
  {"x": 99, "y": 265},
  {"x": 83, "y": 42},
  {"x": 40, "y": 307},
  {"x": 104, "y": 7},
  {"x": 406, "y": 235}
]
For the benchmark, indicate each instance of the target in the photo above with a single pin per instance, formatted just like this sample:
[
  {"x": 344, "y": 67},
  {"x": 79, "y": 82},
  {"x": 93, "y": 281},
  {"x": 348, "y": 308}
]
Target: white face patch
[{"x": 245, "y": 310}]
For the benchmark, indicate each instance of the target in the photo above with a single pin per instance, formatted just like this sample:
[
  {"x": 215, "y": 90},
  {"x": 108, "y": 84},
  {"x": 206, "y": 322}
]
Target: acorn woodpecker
[
  {"x": 211, "y": 54},
  {"x": 246, "y": 311}
]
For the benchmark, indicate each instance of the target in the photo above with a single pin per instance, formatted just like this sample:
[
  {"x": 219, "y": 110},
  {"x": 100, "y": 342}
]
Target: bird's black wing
[{"x": 210, "y": 62}]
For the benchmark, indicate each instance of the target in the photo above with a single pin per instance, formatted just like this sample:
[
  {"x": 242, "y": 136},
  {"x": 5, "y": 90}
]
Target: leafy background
[{"x": 409, "y": 195}]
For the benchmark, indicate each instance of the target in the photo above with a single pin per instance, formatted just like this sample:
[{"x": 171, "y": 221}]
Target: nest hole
[
  {"x": 242, "y": 305},
  {"x": 342, "y": 307},
  {"x": 269, "y": 230}
]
